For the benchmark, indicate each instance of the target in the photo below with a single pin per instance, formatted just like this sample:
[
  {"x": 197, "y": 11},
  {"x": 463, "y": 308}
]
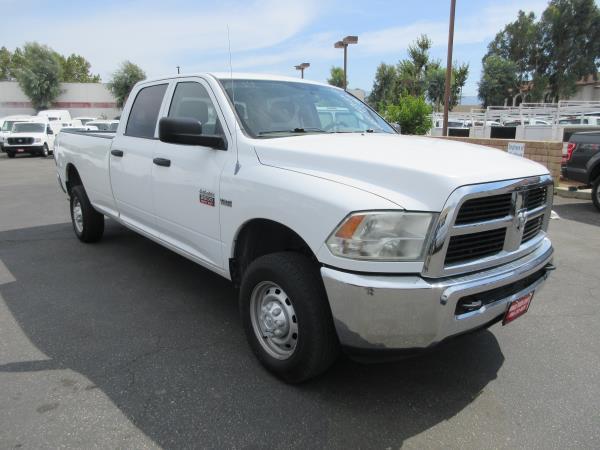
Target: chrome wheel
[
  {"x": 77, "y": 215},
  {"x": 274, "y": 320}
]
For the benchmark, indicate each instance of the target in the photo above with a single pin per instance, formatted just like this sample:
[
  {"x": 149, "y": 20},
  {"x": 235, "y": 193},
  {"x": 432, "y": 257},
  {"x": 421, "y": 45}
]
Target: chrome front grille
[
  {"x": 489, "y": 224},
  {"x": 20, "y": 140}
]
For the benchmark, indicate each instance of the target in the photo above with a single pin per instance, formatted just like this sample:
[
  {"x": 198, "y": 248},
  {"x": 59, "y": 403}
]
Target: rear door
[
  {"x": 131, "y": 158},
  {"x": 186, "y": 191}
]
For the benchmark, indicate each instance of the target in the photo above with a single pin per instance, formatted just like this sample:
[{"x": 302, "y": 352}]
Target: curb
[{"x": 583, "y": 194}]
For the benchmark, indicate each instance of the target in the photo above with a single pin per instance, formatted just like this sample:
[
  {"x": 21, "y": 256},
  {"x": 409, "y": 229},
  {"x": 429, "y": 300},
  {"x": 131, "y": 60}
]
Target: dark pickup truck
[{"x": 582, "y": 162}]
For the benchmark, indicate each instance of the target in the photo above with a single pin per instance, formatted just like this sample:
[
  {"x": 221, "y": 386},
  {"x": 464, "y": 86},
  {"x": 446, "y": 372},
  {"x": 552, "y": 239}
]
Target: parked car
[
  {"x": 34, "y": 138},
  {"x": 337, "y": 234},
  {"x": 104, "y": 125},
  {"x": 84, "y": 120},
  {"x": 527, "y": 122},
  {"x": 7, "y": 124},
  {"x": 582, "y": 161}
]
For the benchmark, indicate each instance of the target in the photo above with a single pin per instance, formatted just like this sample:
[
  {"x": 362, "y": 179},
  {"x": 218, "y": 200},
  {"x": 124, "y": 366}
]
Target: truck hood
[
  {"x": 415, "y": 173},
  {"x": 25, "y": 135}
]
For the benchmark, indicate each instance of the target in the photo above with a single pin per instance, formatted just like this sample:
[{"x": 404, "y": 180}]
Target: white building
[{"x": 80, "y": 99}]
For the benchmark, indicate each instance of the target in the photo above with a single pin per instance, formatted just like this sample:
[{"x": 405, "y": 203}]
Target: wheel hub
[
  {"x": 274, "y": 320},
  {"x": 77, "y": 215}
]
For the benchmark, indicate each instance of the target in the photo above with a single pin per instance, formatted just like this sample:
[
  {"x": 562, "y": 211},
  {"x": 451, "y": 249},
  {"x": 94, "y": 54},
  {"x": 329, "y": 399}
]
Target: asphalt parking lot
[{"x": 124, "y": 344}]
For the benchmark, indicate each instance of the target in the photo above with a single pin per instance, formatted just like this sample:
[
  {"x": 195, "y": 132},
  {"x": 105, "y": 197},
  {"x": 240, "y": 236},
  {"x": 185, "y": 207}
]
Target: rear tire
[
  {"x": 88, "y": 223},
  {"x": 286, "y": 316},
  {"x": 596, "y": 193}
]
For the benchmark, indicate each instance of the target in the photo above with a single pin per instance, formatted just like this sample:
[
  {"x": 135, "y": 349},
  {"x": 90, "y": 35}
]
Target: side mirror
[
  {"x": 186, "y": 131},
  {"x": 396, "y": 126}
]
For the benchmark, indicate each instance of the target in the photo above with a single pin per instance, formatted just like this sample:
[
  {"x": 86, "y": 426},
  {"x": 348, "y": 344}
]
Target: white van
[
  {"x": 56, "y": 115},
  {"x": 34, "y": 137},
  {"x": 7, "y": 123}
]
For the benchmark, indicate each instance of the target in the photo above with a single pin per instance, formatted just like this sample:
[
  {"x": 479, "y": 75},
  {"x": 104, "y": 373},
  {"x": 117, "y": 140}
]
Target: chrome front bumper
[{"x": 379, "y": 312}]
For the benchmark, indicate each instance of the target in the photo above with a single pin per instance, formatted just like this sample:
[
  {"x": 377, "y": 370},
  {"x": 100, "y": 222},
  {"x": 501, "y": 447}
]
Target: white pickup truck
[{"x": 340, "y": 233}]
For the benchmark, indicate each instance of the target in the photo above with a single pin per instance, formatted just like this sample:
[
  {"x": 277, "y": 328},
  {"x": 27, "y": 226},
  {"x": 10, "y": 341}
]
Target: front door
[{"x": 186, "y": 192}]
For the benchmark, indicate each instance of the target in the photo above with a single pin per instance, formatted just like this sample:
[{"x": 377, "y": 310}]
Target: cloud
[{"x": 154, "y": 36}]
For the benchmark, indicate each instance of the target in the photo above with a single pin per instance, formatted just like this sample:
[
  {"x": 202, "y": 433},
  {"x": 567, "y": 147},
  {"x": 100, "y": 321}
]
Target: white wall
[{"x": 80, "y": 99}]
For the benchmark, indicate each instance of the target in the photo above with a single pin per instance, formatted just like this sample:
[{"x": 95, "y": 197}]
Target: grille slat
[
  {"x": 532, "y": 228},
  {"x": 535, "y": 197},
  {"x": 484, "y": 208},
  {"x": 477, "y": 245}
]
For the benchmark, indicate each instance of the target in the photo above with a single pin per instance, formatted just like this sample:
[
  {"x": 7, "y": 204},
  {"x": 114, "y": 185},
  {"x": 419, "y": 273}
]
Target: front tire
[
  {"x": 88, "y": 223},
  {"x": 596, "y": 193},
  {"x": 286, "y": 316},
  {"x": 45, "y": 151},
  {"x": 10, "y": 154}
]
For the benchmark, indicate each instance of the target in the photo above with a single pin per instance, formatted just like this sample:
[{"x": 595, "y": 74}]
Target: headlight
[
  {"x": 392, "y": 236},
  {"x": 37, "y": 140}
]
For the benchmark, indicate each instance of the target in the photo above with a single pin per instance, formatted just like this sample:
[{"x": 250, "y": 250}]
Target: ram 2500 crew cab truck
[{"x": 339, "y": 232}]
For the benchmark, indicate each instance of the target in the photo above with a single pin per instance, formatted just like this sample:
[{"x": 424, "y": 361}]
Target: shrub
[{"x": 412, "y": 113}]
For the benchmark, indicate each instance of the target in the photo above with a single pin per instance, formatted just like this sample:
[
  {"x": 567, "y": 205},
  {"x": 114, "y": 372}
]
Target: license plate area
[{"x": 517, "y": 308}]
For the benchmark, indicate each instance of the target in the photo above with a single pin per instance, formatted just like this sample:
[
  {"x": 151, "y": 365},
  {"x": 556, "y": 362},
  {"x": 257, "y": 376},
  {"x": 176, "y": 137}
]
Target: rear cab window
[{"x": 144, "y": 112}]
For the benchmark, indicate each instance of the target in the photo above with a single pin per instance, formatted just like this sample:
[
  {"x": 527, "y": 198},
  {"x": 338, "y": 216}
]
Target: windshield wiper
[{"x": 294, "y": 130}]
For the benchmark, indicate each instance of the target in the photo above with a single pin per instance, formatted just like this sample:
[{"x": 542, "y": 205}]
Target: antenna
[{"x": 237, "y": 153}]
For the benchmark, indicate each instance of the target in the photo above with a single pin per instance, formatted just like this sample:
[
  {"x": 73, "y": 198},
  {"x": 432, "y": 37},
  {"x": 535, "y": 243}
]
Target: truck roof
[{"x": 237, "y": 76}]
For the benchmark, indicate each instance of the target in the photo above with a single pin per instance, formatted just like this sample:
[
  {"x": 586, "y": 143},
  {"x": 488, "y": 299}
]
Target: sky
[{"x": 267, "y": 36}]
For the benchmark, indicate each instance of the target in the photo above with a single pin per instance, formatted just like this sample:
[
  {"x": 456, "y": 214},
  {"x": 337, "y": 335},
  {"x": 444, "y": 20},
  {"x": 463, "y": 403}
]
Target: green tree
[
  {"x": 570, "y": 44},
  {"x": 412, "y": 113},
  {"x": 336, "y": 77},
  {"x": 519, "y": 42},
  {"x": 436, "y": 84},
  {"x": 5, "y": 57},
  {"x": 123, "y": 81},
  {"x": 76, "y": 69},
  {"x": 460, "y": 74},
  {"x": 412, "y": 72},
  {"x": 498, "y": 79},
  {"x": 17, "y": 60},
  {"x": 382, "y": 92},
  {"x": 39, "y": 75}
]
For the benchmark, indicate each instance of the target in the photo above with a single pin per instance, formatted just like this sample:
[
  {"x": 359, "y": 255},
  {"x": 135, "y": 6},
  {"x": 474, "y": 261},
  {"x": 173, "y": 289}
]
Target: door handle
[
  {"x": 162, "y": 162},
  {"x": 118, "y": 153}
]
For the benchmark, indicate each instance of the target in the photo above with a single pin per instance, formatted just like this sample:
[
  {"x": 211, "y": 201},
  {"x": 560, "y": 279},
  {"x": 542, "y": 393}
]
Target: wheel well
[
  {"x": 73, "y": 178},
  {"x": 595, "y": 173},
  {"x": 260, "y": 237}
]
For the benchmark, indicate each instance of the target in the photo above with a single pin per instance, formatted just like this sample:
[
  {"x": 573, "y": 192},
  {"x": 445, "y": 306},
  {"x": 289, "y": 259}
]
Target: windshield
[
  {"x": 279, "y": 108},
  {"x": 7, "y": 126},
  {"x": 25, "y": 127}
]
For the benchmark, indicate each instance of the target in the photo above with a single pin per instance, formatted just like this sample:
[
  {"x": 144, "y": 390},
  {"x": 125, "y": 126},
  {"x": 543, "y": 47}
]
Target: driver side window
[{"x": 191, "y": 100}]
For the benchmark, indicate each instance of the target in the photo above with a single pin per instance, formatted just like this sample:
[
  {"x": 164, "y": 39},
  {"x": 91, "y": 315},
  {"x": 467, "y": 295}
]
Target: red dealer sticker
[{"x": 517, "y": 308}]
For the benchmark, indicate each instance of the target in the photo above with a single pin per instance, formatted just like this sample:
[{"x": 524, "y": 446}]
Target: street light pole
[
  {"x": 449, "y": 67},
  {"x": 301, "y": 68},
  {"x": 344, "y": 44}
]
